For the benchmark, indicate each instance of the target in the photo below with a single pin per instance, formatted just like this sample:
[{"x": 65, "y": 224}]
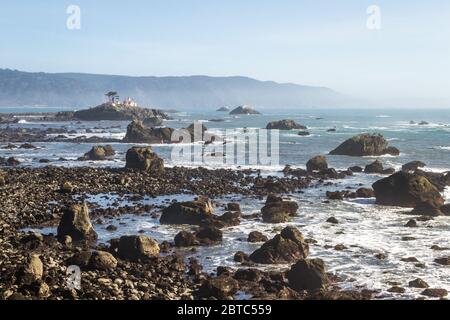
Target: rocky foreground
[{"x": 36, "y": 266}]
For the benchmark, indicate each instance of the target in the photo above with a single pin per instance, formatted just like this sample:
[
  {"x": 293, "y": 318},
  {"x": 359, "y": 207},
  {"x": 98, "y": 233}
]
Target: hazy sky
[{"x": 317, "y": 42}]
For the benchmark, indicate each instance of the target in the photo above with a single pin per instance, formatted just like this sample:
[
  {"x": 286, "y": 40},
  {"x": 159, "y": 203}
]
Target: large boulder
[
  {"x": 317, "y": 163},
  {"x": 222, "y": 287},
  {"x": 285, "y": 125},
  {"x": 137, "y": 132},
  {"x": 406, "y": 190},
  {"x": 98, "y": 153},
  {"x": 374, "y": 167},
  {"x": 32, "y": 270},
  {"x": 278, "y": 210},
  {"x": 102, "y": 260},
  {"x": 118, "y": 112},
  {"x": 286, "y": 247},
  {"x": 427, "y": 208},
  {"x": 308, "y": 274},
  {"x": 365, "y": 145},
  {"x": 143, "y": 158},
  {"x": 135, "y": 248},
  {"x": 75, "y": 222},
  {"x": 190, "y": 212}
]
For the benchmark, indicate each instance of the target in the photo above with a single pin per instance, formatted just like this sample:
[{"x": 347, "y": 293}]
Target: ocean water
[{"x": 365, "y": 228}]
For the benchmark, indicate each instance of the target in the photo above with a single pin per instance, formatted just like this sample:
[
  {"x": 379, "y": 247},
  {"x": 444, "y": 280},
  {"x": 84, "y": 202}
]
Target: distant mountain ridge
[{"x": 79, "y": 90}]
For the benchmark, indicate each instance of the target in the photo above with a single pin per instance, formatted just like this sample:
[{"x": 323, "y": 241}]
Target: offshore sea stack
[
  {"x": 118, "y": 112},
  {"x": 365, "y": 145},
  {"x": 285, "y": 125}
]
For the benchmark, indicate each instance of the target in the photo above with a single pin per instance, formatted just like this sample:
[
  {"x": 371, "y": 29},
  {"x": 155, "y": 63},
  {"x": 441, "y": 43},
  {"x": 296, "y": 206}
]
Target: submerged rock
[
  {"x": 365, "y": 145},
  {"x": 285, "y": 125},
  {"x": 406, "y": 190},
  {"x": 413, "y": 166},
  {"x": 143, "y": 158},
  {"x": 286, "y": 247},
  {"x": 75, "y": 222}
]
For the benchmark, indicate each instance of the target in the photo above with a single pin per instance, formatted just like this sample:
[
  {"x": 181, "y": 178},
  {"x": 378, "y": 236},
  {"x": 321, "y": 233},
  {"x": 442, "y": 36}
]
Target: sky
[{"x": 321, "y": 43}]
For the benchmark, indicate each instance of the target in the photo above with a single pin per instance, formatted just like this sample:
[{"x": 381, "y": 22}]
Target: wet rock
[
  {"x": 240, "y": 257},
  {"x": 186, "y": 239},
  {"x": 365, "y": 145},
  {"x": 332, "y": 220},
  {"x": 444, "y": 261},
  {"x": 251, "y": 275},
  {"x": 75, "y": 222},
  {"x": 222, "y": 287},
  {"x": 445, "y": 209},
  {"x": 375, "y": 167},
  {"x": 303, "y": 133},
  {"x": 285, "y": 125},
  {"x": 413, "y": 166},
  {"x": 435, "y": 293},
  {"x": 365, "y": 193},
  {"x": 439, "y": 180},
  {"x": 426, "y": 209},
  {"x": 396, "y": 289},
  {"x": 411, "y": 224},
  {"x": 98, "y": 153},
  {"x": 335, "y": 195},
  {"x": 317, "y": 163},
  {"x": 32, "y": 270},
  {"x": 143, "y": 158},
  {"x": 406, "y": 190},
  {"x": 228, "y": 219},
  {"x": 27, "y": 146},
  {"x": 111, "y": 228},
  {"x": 152, "y": 122},
  {"x": 233, "y": 206},
  {"x": 278, "y": 210},
  {"x": 102, "y": 260},
  {"x": 135, "y": 248},
  {"x": 356, "y": 169},
  {"x": 256, "y": 236},
  {"x": 308, "y": 274},
  {"x": 209, "y": 235},
  {"x": 286, "y": 247},
  {"x": 191, "y": 212},
  {"x": 418, "y": 283},
  {"x": 340, "y": 247}
]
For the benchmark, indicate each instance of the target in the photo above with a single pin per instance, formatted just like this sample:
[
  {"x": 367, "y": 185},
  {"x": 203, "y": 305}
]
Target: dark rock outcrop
[
  {"x": 143, "y": 158},
  {"x": 98, "y": 153},
  {"x": 317, "y": 163},
  {"x": 256, "y": 236},
  {"x": 278, "y": 210},
  {"x": 286, "y": 247},
  {"x": 427, "y": 208},
  {"x": 285, "y": 125},
  {"x": 190, "y": 212},
  {"x": 75, "y": 222},
  {"x": 308, "y": 274},
  {"x": 135, "y": 248},
  {"x": 406, "y": 190},
  {"x": 138, "y": 133},
  {"x": 365, "y": 145},
  {"x": 413, "y": 166}
]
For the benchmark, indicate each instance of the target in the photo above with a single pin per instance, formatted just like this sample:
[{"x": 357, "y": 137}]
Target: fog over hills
[{"x": 78, "y": 90}]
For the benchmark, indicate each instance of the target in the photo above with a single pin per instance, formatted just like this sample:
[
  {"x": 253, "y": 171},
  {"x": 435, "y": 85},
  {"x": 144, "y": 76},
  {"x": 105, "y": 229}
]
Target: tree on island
[{"x": 112, "y": 96}]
